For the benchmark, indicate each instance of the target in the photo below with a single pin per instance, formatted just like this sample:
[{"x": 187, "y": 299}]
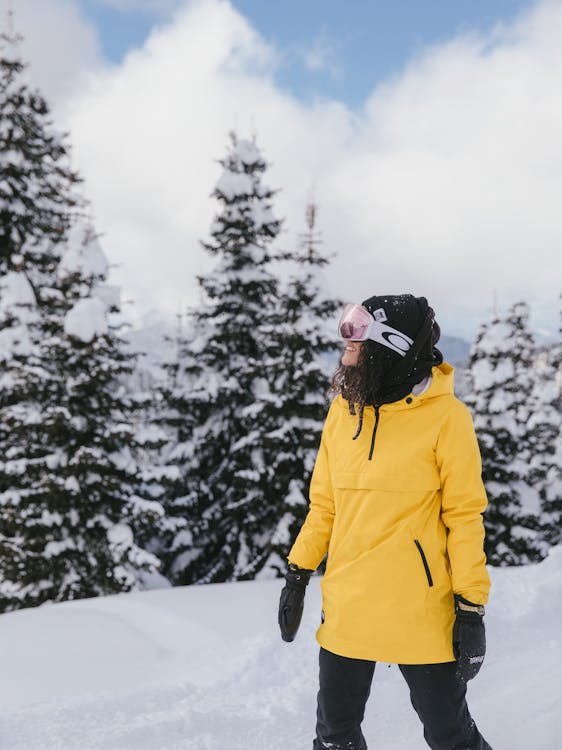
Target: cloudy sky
[{"x": 429, "y": 133}]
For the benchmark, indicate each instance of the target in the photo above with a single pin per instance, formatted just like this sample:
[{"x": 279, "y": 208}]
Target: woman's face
[{"x": 351, "y": 353}]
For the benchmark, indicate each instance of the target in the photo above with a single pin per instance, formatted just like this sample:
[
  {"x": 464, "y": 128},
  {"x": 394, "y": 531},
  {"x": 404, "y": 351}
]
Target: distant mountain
[{"x": 455, "y": 350}]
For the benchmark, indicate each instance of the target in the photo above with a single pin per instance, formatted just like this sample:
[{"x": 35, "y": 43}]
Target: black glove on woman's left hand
[
  {"x": 469, "y": 638},
  {"x": 291, "y": 603}
]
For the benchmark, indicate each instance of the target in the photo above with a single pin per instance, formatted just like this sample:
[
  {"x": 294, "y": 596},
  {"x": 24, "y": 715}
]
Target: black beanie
[
  {"x": 404, "y": 312},
  {"x": 414, "y": 317}
]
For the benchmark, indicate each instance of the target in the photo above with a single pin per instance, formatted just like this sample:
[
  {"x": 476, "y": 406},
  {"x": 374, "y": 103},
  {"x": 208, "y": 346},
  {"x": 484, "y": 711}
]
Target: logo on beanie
[
  {"x": 379, "y": 315},
  {"x": 397, "y": 341}
]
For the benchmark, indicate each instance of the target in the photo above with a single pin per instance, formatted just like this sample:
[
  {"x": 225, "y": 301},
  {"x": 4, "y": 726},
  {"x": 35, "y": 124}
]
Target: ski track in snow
[{"x": 203, "y": 668}]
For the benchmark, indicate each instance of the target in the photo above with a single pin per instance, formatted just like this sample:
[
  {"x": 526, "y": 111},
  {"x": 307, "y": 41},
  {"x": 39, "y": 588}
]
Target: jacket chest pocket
[{"x": 418, "y": 479}]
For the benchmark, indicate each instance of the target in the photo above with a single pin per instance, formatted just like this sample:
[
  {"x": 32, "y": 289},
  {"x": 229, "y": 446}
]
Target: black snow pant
[{"x": 438, "y": 697}]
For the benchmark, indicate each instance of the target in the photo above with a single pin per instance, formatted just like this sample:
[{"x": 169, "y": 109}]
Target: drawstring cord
[
  {"x": 377, "y": 408},
  {"x": 360, "y": 427},
  {"x": 360, "y": 423}
]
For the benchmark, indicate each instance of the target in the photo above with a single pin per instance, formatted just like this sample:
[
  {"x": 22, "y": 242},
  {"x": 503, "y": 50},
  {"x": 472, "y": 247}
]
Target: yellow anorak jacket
[{"x": 399, "y": 511}]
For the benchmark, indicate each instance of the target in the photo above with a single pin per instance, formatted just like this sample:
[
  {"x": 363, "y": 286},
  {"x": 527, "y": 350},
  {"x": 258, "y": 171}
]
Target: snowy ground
[{"x": 203, "y": 668}]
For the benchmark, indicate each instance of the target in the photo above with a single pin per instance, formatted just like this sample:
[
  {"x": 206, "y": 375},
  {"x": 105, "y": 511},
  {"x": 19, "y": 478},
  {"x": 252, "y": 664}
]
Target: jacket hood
[{"x": 442, "y": 382}]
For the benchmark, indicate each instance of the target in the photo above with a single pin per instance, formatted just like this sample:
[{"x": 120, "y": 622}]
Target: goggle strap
[
  {"x": 379, "y": 328},
  {"x": 402, "y": 368}
]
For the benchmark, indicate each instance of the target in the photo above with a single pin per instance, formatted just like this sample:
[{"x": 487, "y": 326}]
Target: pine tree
[
  {"x": 151, "y": 346},
  {"x": 37, "y": 199},
  {"x": 546, "y": 428},
  {"x": 500, "y": 394},
  {"x": 69, "y": 512},
  {"x": 221, "y": 388},
  {"x": 184, "y": 404},
  {"x": 38, "y": 195},
  {"x": 298, "y": 378}
]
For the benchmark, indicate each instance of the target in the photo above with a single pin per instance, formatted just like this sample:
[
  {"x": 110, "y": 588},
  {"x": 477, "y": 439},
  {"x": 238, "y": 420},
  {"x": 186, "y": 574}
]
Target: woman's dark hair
[
  {"x": 362, "y": 384},
  {"x": 372, "y": 380}
]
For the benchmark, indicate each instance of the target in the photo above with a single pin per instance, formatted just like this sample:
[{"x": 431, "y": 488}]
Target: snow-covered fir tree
[
  {"x": 501, "y": 380},
  {"x": 545, "y": 447},
  {"x": 184, "y": 405},
  {"x": 299, "y": 379},
  {"x": 222, "y": 389},
  {"x": 97, "y": 422},
  {"x": 37, "y": 186},
  {"x": 156, "y": 428},
  {"x": 69, "y": 512},
  {"x": 37, "y": 199},
  {"x": 547, "y": 434}
]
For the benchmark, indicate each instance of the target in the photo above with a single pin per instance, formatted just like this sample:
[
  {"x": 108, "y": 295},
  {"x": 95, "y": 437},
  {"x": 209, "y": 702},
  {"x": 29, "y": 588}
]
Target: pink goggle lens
[{"x": 355, "y": 323}]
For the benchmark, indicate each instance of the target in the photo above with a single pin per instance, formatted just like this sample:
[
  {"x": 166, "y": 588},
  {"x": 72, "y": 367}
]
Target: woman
[{"x": 396, "y": 499}]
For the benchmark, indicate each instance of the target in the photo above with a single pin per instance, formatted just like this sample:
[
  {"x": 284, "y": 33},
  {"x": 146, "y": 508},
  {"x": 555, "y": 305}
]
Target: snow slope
[{"x": 204, "y": 668}]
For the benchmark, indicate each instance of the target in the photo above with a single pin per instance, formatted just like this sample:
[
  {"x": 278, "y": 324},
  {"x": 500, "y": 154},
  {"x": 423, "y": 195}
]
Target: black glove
[
  {"x": 291, "y": 603},
  {"x": 469, "y": 638}
]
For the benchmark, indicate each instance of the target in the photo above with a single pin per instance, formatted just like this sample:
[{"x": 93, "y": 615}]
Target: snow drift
[{"x": 204, "y": 668}]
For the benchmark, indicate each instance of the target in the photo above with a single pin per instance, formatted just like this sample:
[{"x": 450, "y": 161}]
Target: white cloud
[
  {"x": 60, "y": 44},
  {"x": 142, "y": 6},
  {"x": 447, "y": 183}
]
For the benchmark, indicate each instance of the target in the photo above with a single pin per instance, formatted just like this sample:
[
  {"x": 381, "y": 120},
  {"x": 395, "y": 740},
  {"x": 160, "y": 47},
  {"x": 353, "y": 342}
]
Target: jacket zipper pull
[{"x": 373, "y": 436}]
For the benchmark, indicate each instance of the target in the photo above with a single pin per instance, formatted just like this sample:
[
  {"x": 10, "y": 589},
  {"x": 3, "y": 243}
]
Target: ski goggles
[{"x": 358, "y": 324}]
